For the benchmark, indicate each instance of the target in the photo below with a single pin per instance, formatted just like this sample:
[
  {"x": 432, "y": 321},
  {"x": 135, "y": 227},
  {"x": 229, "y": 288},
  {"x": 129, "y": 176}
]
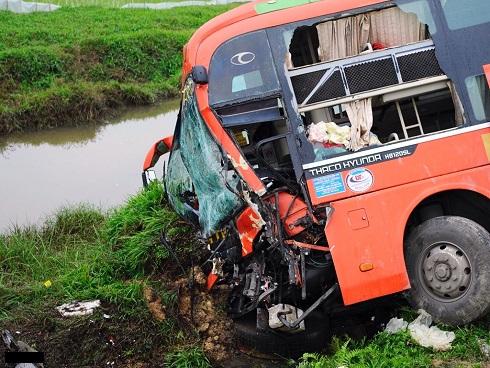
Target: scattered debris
[
  {"x": 423, "y": 318},
  {"x": 106, "y": 316},
  {"x": 484, "y": 348},
  {"x": 47, "y": 283},
  {"x": 396, "y": 325},
  {"x": 78, "y": 308},
  {"x": 13, "y": 345},
  {"x": 421, "y": 332},
  {"x": 154, "y": 304}
]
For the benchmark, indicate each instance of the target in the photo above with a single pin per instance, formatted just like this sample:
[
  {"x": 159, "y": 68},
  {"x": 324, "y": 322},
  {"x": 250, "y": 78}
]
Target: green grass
[
  {"x": 191, "y": 357},
  {"x": 399, "y": 351},
  {"x": 113, "y": 256},
  {"x": 77, "y": 64},
  {"x": 87, "y": 254},
  {"x": 102, "y": 3}
]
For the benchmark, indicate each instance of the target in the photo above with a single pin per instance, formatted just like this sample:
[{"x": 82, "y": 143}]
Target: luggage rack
[{"x": 367, "y": 75}]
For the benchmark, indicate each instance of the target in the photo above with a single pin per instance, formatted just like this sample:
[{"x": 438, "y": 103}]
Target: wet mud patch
[
  {"x": 92, "y": 341},
  {"x": 205, "y": 311}
]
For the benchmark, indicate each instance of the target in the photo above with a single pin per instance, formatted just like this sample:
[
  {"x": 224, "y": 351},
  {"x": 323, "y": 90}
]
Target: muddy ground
[
  {"x": 108, "y": 339},
  {"x": 197, "y": 318}
]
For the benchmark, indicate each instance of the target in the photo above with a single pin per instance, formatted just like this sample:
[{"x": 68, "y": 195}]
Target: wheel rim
[{"x": 445, "y": 271}]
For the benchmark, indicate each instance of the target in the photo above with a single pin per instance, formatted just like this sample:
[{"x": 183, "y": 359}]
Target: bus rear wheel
[{"x": 448, "y": 263}]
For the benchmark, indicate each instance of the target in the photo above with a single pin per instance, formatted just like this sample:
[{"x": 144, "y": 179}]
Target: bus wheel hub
[
  {"x": 443, "y": 272},
  {"x": 446, "y": 271}
]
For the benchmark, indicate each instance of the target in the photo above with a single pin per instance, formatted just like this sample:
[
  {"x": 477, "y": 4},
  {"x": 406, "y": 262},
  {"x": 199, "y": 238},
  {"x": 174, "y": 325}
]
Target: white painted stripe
[{"x": 404, "y": 143}]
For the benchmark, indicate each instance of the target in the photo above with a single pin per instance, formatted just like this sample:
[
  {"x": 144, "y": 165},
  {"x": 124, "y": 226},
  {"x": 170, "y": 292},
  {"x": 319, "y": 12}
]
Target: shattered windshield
[
  {"x": 212, "y": 184},
  {"x": 178, "y": 183}
]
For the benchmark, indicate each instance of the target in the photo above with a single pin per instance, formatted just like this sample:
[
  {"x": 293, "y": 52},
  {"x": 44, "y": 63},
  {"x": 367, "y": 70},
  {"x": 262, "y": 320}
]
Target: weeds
[
  {"x": 399, "y": 351},
  {"x": 187, "y": 358},
  {"x": 86, "y": 254}
]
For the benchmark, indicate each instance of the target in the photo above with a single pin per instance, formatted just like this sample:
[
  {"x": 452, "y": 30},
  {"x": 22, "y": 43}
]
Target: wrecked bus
[{"x": 334, "y": 152}]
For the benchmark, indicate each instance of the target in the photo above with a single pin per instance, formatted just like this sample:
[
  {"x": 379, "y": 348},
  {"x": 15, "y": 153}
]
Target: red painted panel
[
  {"x": 154, "y": 153},
  {"x": 242, "y": 20},
  {"x": 248, "y": 224},
  {"x": 430, "y": 159},
  {"x": 381, "y": 243},
  {"x": 291, "y": 209},
  {"x": 486, "y": 70}
]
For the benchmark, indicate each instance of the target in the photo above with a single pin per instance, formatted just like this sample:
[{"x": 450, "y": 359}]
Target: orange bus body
[{"x": 367, "y": 229}]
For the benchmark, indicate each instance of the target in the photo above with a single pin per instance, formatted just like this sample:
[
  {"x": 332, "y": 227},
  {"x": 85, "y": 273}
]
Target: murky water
[{"x": 97, "y": 164}]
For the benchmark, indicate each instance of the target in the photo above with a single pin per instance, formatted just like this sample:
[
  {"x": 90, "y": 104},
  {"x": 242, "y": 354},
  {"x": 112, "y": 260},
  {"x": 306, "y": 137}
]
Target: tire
[
  {"x": 315, "y": 337},
  {"x": 448, "y": 263}
]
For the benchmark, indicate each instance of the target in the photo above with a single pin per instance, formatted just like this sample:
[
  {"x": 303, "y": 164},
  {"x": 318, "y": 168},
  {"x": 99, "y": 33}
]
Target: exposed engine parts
[{"x": 282, "y": 274}]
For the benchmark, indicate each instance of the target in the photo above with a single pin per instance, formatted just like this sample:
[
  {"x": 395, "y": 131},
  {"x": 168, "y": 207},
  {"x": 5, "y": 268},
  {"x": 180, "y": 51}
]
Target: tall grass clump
[
  {"x": 134, "y": 232},
  {"x": 192, "y": 357},
  {"x": 83, "y": 253},
  {"x": 79, "y": 64}
]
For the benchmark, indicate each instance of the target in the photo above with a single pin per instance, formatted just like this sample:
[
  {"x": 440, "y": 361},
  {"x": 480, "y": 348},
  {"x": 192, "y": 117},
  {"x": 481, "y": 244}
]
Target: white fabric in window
[
  {"x": 360, "y": 114},
  {"x": 343, "y": 37},
  {"x": 392, "y": 27}
]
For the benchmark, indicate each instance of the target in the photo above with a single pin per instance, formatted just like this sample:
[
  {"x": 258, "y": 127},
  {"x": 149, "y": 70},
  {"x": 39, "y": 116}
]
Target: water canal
[{"x": 96, "y": 164}]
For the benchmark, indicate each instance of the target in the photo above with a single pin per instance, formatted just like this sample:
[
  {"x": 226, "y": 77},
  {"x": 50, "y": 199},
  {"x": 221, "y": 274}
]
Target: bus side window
[{"x": 479, "y": 93}]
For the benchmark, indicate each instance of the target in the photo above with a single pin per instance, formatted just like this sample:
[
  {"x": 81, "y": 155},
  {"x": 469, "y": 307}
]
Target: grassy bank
[
  {"x": 81, "y": 253},
  {"x": 102, "y": 3},
  {"x": 77, "y": 64}
]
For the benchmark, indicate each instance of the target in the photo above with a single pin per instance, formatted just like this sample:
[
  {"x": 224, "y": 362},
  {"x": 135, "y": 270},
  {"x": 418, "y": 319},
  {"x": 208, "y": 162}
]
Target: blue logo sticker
[{"x": 328, "y": 185}]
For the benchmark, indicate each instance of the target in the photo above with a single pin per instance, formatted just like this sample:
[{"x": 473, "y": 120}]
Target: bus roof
[{"x": 258, "y": 14}]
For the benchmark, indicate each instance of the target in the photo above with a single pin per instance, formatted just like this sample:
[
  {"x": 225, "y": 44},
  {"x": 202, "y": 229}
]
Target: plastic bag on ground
[
  {"x": 78, "y": 308},
  {"x": 396, "y": 325},
  {"x": 430, "y": 337}
]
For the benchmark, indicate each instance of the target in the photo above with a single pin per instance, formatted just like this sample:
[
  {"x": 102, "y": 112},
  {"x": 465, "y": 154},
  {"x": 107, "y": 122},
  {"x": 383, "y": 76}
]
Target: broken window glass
[
  {"x": 214, "y": 185},
  {"x": 178, "y": 184},
  {"x": 461, "y": 42}
]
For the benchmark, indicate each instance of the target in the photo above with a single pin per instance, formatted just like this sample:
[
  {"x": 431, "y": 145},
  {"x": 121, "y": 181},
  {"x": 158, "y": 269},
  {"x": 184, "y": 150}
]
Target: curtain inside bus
[{"x": 349, "y": 36}]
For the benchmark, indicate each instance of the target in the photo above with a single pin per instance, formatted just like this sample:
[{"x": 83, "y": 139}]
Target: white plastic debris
[
  {"x": 430, "y": 337},
  {"x": 78, "y": 308},
  {"x": 396, "y": 325},
  {"x": 484, "y": 348},
  {"x": 423, "y": 318},
  {"x": 19, "y": 6}
]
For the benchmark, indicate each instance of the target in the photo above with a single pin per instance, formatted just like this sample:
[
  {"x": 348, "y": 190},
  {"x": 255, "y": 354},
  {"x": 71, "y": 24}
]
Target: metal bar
[
  {"x": 402, "y": 121},
  {"x": 419, "y": 122},
  {"x": 309, "y": 310},
  {"x": 379, "y": 54},
  {"x": 320, "y": 83},
  {"x": 307, "y": 246},
  {"x": 372, "y": 93}
]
